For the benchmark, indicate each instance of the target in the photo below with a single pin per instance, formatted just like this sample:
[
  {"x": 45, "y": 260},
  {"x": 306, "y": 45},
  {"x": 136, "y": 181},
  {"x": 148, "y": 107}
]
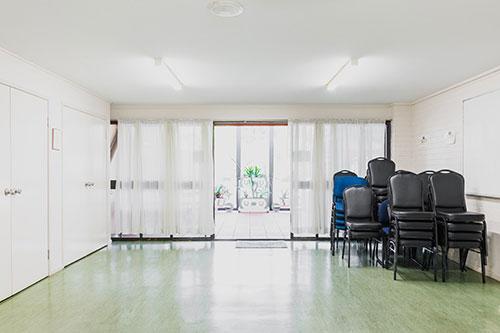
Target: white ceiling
[{"x": 278, "y": 51}]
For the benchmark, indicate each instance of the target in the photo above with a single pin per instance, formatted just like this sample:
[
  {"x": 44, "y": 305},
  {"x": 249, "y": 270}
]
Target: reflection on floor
[
  {"x": 236, "y": 225},
  {"x": 214, "y": 287}
]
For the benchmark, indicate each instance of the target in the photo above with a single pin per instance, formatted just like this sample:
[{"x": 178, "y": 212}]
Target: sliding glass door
[{"x": 252, "y": 179}]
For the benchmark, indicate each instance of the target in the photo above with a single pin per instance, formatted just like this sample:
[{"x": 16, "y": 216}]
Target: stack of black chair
[
  {"x": 337, "y": 219},
  {"x": 457, "y": 228},
  {"x": 359, "y": 220},
  {"x": 412, "y": 226},
  {"x": 341, "y": 180},
  {"x": 427, "y": 211}
]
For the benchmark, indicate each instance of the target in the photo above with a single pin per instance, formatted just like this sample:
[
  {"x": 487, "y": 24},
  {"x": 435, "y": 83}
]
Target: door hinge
[{"x": 48, "y": 254}]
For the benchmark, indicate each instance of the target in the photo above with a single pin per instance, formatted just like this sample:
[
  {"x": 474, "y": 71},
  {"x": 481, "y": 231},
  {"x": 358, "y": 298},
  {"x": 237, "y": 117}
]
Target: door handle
[{"x": 10, "y": 191}]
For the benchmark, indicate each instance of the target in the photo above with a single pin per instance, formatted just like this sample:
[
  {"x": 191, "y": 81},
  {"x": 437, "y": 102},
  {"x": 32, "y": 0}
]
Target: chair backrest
[
  {"x": 425, "y": 178},
  {"x": 344, "y": 173},
  {"x": 341, "y": 183},
  {"x": 358, "y": 203},
  {"x": 380, "y": 170},
  {"x": 448, "y": 191},
  {"x": 401, "y": 172},
  {"x": 405, "y": 192}
]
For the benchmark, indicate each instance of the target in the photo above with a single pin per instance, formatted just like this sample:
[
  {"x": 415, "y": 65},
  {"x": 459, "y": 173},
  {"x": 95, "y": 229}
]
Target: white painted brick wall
[
  {"x": 433, "y": 117},
  {"x": 402, "y": 137}
]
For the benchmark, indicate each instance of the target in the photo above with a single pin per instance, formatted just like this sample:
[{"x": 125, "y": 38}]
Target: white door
[
  {"x": 74, "y": 185},
  {"x": 29, "y": 178},
  {"x": 5, "y": 198},
  {"x": 98, "y": 193},
  {"x": 84, "y": 184}
]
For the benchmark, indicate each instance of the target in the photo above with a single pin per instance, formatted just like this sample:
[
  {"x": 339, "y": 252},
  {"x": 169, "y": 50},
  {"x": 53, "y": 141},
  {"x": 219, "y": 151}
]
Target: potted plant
[
  {"x": 221, "y": 192},
  {"x": 253, "y": 189}
]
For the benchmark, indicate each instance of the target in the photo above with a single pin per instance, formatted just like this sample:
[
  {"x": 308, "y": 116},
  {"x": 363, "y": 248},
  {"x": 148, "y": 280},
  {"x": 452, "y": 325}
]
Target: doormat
[{"x": 261, "y": 245}]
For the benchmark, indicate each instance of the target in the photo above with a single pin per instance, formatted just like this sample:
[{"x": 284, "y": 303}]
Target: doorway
[{"x": 252, "y": 180}]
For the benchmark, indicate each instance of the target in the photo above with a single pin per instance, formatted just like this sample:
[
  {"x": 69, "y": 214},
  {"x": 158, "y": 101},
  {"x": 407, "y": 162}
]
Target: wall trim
[
  {"x": 81, "y": 110},
  {"x": 470, "y": 80},
  {"x": 54, "y": 75},
  {"x": 324, "y": 106}
]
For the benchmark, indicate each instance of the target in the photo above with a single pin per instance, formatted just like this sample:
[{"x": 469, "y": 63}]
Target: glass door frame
[{"x": 238, "y": 125}]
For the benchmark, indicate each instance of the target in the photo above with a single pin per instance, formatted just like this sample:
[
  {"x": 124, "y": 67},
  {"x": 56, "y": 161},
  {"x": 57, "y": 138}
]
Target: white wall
[
  {"x": 402, "y": 136},
  {"x": 433, "y": 117},
  {"x": 18, "y": 73},
  {"x": 252, "y": 112}
]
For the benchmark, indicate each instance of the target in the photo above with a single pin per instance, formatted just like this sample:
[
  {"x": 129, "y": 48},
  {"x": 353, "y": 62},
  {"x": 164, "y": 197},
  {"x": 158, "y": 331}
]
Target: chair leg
[
  {"x": 483, "y": 263},
  {"x": 445, "y": 263},
  {"x": 396, "y": 246},
  {"x": 464, "y": 261},
  {"x": 372, "y": 248},
  {"x": 460, "y": 258},
  {"x": 338, "y": 235},
  {"x": 369, "y": 249},
  {"x": 349, "y": 252},
  {"x": 426, "y": 260},
  {"x": 384, "y": 252},
  {"x": 461, "y": 253},
  {"x": 343, "y": 246},
  {"x": 332, "y": 240},
  {"x": 434, "y": 262}
]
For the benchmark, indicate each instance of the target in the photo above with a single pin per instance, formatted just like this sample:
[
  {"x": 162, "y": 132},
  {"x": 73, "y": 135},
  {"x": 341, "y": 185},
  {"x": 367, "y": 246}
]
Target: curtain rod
[{"x": 252, "y": 123}]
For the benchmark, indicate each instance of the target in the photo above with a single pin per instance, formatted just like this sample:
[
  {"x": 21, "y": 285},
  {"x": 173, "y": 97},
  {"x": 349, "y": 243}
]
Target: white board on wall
[{"x": 482, "y": 145}]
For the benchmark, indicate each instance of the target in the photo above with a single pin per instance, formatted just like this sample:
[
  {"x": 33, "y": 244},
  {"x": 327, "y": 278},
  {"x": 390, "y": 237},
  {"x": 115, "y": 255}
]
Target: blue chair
[{"x": 341, "y": 180}]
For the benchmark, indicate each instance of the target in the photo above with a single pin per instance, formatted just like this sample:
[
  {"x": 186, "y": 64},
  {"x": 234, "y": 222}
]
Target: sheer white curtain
[
  {"x": 190, "y": 178},
  {"x": 164, "y": 178},
  {"x": 319, "y": 148},
  {"x": 140, "y": 189},
  {"x": 127, "y": 172}
]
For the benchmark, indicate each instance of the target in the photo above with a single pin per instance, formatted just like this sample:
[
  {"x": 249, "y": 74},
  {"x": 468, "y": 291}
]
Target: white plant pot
[{"x": 253, "y": 205}]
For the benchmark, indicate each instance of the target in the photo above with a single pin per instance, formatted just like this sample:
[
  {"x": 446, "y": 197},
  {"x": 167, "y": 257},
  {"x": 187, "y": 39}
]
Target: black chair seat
[
  {"x": 416, "y": 234},
  {"x": 465, "y": 236},
  {"x": 416, "y": 243},
  {"x": 363, "y": 226},
  {"x": 461, "y": 217},
  {"x": 413, "y": 216},
  {"x": 466, "y": 227},
  {"x": 464, "y": 244},
  {"x": 416, "y": 225},
  {"x": 364, "y": 234}
]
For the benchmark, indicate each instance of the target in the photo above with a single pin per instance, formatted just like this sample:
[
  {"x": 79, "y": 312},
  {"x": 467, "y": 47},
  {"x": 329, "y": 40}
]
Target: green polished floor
[{"x": 213, "y": 287}]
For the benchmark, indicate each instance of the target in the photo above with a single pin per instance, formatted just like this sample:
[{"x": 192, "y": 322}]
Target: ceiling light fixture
[
  {"x": 334, "y": 81},
  {"x": 225, "y": 8},
  {"x": 173, "y": 79}
]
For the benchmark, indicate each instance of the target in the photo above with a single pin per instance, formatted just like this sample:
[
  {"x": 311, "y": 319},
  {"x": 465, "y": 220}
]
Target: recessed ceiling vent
[{"x": 225, "y": 8}]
